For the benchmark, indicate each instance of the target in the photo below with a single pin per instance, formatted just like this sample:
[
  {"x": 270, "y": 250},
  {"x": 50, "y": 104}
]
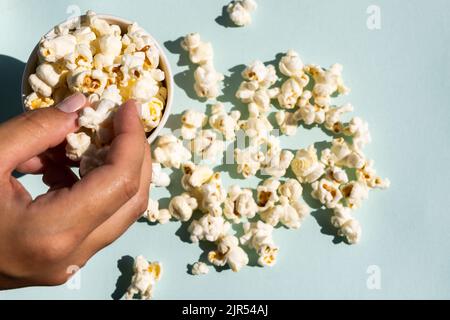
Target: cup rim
[{"x": 164, "y": 64}]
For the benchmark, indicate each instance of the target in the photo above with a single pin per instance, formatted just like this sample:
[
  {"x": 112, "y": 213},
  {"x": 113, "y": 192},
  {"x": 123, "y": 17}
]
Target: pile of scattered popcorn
[
  {"x": 340, "y": 176},
  {"x": 109, "y": 66}
]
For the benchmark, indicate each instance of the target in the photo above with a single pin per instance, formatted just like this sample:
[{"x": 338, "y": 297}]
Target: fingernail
[{"x": 73, "y": 103}]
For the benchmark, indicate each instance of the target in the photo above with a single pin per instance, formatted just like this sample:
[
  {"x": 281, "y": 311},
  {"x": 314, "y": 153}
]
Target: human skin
[{"x": 42, "y": 239}]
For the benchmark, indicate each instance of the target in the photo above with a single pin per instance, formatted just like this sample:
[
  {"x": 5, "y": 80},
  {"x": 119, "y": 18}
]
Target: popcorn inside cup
[{"x": 109, "y": 65}]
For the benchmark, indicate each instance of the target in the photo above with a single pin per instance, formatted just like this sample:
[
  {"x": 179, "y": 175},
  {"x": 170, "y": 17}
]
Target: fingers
[
  {"x": 117, "y": 224},
  {"x": 34, "y": 132},
  {"x": 58, "y": 176},
  {"x": 106, "y": 189}
]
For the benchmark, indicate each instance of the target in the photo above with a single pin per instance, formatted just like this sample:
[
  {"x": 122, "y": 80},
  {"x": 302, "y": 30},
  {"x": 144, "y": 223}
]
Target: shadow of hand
[{"x": 10, "y": 84}]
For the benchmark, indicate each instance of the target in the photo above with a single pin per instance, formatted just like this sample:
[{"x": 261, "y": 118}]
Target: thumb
[{"x": 33, "y": 132}]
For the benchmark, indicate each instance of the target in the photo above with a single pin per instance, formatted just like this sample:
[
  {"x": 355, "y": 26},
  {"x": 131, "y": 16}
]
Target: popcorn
[
  {"x": 207, "y": 81},
  {"x": 347, "y": 226},
  {"x": 192, "y": 121},
  {"x": 336, "y": 174},
  {"x": 258, "y": 98},
  {"x": 199, "y": 268},
  {"x": 199, "y": 52},
  {"x": 144, "y": 279},
  {"x": 257, "y": 128},
  {"x": 226, "y": 124},
  {"x": 326, "y": 83},
  {"x": 56, "y": 48},
  {"x": 228, "y": 252},
  {"x": 342, "y": 154},
  {"x": 267, "y": 194},
  {"x": 93, "y": 118},
  {"x": 195, "y": 176},
  {"x": 240, "y": 11},
  {"x": 208, "y": 228},
  {"x": 212, "y": 196},
  {"x": 290, "y": 91},
  {"x": 258, "y": 235},
  {"x": 239, "y": 204},
  {"x": 291, "y": 65},
  {"x": 333, "y": 115},
  {"x": 291, "y": 189},
  {"x": 276, "y": 161},
  {"x": 207, "y": 146},
  {"x": 354, "y": 193},
  {"x": 95, "y": 58},
  {"x": 77, "y": 145},
  {"x": 39, "y": 86},
  {"x": 153, "y": 214},
  {"x": 159, "y": 178},
  {"x": 263, "y": 76},
  {"x": 367, "y": 174},
  {"x": 306, "y": 166},
  {"x": 359, "y": 130},
  {"x": 87, "y": 81},
  {"x": 35, "y": 101},
  {"x": 49, "y": 75},
  {"x": 287, "y": 121},
  {"x": 248, "y": 160},
  {"x": 170, "y": 152},
  {"x": 327, "y": 192},
  {"x": 311, "y": 114},
  {"x": 290, "y": 213},
  {"x": 181, "y": 207}
]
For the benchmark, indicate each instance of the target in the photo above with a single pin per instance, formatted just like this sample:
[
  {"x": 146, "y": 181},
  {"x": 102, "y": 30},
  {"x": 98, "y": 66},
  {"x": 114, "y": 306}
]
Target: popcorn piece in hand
[
  {"x": 348, "y": 226},
  {"x": 226, "y": 124},
  {"x": 199, "y": 268},
  {"x": 354, "y": 193},
  {"x": 144, "y": 279},
  {"x": 207, "y": 81},
  {"x": 93, "y": 118},
  {"x": 77, "y": 145},
  {"x": 240, "y": 11},
  {"x": 258, "y": 235},
  {"x": 154, "y": 214},
  {"x": 239, "y": 204},
  {"x": 207, "y": 146},
  {"x": 181, "y": 207},
  {"x": 208, "y": 228},
  {"x": 327, "y": 192},
  {"x": 228, "y": 252},
  {"x": 306, "y": 166},
  {"x": 267, "y": 194},
  {"x": 170, "y": 152},
  {"x": 159, "y": 178},
  {"x": 192, "y": 121},
  {"x": 368, "y": 175}
]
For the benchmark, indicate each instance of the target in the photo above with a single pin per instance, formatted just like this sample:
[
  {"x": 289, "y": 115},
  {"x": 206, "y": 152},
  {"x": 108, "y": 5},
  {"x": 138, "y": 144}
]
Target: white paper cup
[{"x": 32, "y": 62}]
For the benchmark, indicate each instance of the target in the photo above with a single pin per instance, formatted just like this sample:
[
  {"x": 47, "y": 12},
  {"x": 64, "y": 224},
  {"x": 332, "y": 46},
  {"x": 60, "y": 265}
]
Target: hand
[{"x": 41, "y": 238}]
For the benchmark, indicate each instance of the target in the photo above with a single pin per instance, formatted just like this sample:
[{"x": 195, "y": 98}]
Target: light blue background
[{"x": 399, "y": 77}]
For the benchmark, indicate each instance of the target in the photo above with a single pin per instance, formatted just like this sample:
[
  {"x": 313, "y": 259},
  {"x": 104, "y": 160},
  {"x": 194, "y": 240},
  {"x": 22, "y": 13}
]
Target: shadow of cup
[{"x": 10, "y": 87}]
